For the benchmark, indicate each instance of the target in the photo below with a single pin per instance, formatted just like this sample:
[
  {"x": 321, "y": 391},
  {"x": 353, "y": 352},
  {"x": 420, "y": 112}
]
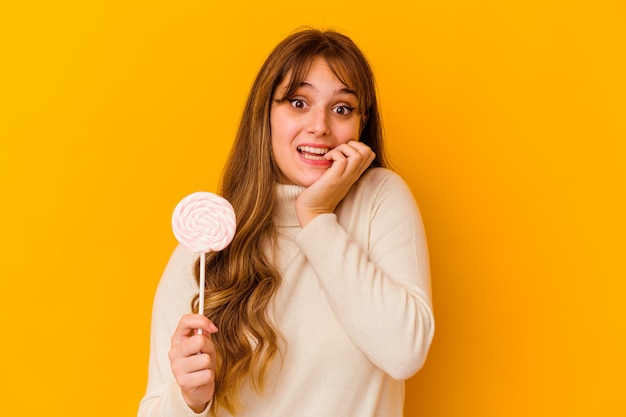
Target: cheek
[
  {"x": 281, "y": 125},
  {"x": 348, "y": 131}
]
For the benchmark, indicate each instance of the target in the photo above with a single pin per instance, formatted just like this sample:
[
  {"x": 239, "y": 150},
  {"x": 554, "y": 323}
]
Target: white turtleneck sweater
[{"x": 354, "y": 309}]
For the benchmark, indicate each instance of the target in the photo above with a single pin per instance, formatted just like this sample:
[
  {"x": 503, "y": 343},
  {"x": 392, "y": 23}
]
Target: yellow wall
[{"x": 507, "y": 119}]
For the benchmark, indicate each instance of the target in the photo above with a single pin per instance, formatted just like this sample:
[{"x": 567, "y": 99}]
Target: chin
[
  {"x": 308, "y": 180},
  {"x": 303, "y": 179}
]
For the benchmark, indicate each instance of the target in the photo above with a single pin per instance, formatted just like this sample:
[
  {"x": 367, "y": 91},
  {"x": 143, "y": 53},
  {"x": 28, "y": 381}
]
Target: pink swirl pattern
[{"x": 204, "y": 222}]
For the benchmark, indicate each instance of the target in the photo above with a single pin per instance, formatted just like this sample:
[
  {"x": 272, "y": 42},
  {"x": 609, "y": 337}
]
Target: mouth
[{"x": 312, "y": 153}]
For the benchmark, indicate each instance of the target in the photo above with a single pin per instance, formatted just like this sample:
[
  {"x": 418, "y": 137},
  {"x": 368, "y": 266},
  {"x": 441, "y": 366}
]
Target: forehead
[{"x": 299, "y": 75}]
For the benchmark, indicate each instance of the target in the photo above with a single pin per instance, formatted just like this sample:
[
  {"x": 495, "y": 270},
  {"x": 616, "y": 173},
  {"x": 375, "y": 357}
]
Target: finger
[
  {"x": 193, "y": 345},
  {"x": 339, "y": 159},
  {"x": 184, "y": 366},
  {"x": 181, "y": 351},
  {"x": 346, "y": 149},
  {"x": 366, "y": 155},
  {"x": 189, "y": 323},
  {"x": 364, "y": 150},
  {"x": 192, "y": 363},
  {"x": 197, "y": 321},
  {"x": 188, "y": 381},
  {"x": 355, "y": 157},
  {"x": 353, "y": 149}
]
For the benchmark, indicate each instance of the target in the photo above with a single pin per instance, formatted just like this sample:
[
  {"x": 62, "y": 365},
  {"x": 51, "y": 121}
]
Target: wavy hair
[{"x": 241, "y": 280}]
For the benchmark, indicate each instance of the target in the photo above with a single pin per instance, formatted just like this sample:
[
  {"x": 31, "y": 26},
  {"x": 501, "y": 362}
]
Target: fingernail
[{"x": 213, "y": 328}]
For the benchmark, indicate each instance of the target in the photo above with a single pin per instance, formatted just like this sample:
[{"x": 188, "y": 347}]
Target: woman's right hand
[
  {"x": 349, "y": 162},
  {"x": 192, "y": 357}
]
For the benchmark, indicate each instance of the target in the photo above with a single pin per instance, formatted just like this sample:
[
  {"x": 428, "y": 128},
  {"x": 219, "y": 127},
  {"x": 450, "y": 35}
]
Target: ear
[
  {"x": 362, "y": 126},
  {"x": 363, "y": 122}
]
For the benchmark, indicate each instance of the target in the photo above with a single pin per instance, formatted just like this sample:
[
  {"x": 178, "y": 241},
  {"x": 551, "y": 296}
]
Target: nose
[{"x": 318, "y": 123}]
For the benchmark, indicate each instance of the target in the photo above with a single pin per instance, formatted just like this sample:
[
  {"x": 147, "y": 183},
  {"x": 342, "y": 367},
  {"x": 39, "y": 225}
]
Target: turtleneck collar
[{"x": 286, "y": 208}]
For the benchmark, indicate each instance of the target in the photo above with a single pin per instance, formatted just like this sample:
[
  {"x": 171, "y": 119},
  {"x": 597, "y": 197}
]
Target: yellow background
[{"x": 507, "y": 120}]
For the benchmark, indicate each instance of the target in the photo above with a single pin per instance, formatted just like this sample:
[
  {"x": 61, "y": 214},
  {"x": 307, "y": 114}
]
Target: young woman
[{"x": 321, "y": 305}]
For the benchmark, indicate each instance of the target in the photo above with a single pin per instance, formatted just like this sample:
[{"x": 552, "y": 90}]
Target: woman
[{"x": 321, "y": 304}]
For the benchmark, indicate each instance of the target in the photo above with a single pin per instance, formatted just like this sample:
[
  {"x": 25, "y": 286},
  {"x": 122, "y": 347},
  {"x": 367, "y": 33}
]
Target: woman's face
[{"x": 320, "y": 115}]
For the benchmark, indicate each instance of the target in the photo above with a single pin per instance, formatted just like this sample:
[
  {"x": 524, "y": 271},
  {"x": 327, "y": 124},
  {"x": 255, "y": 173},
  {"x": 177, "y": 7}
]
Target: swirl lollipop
[{"x": 203, "y": 222}]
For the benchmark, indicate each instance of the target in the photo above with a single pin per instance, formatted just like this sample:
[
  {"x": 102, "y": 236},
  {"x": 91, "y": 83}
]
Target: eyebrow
[{"x": 336, "y": 92}]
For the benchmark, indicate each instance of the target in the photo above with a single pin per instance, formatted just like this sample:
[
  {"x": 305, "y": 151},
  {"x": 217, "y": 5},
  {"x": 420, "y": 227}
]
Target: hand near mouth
[{"x": 349, "y": 161}]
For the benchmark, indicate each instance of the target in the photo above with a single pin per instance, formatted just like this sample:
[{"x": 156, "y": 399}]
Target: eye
[
  {"x": 343, "y": 110},
  {"x": 297, "y": 103}
]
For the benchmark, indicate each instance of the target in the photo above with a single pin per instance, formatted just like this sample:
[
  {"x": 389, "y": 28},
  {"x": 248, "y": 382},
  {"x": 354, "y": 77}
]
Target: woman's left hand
[{"x": 350, "y": 160}]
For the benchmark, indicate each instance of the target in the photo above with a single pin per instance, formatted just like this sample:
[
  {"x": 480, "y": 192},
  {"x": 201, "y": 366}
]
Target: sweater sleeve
[
  {"x": 163, "y": 397},
  {"x": 378, "y": 284}
]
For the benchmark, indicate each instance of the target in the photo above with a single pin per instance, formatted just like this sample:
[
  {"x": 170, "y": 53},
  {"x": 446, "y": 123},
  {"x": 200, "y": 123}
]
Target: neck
[{"x": 286, "y": 207}]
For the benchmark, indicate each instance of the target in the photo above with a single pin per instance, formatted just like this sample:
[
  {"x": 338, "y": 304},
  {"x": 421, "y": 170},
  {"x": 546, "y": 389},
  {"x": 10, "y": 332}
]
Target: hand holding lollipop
[{"x": 203, "y": 222}]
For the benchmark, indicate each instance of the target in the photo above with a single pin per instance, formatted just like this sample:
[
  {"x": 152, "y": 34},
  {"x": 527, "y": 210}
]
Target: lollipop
[{"x": 203, "y": 222}]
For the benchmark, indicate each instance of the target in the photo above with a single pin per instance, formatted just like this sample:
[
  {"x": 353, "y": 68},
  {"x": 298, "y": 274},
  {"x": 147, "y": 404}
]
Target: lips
[{"x": 312, "y": 153}]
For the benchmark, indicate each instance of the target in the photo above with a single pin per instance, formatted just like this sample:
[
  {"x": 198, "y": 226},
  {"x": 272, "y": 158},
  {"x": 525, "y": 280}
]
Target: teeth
[
  {"x": 310, "y": 149},
  {"x": 312, "y": 157},
  {"x": 309, "y": 152}
]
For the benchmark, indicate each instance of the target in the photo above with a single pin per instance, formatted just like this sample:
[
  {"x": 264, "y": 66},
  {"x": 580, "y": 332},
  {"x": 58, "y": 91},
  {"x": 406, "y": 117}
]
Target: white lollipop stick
[
  {"x": 203, "y": 222},
  {"x": 202, "y": 280}
]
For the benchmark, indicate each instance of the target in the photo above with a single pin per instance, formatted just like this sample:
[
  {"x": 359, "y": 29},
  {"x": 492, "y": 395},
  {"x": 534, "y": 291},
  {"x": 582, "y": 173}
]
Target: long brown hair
[{"x": 241, "y": 280}]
